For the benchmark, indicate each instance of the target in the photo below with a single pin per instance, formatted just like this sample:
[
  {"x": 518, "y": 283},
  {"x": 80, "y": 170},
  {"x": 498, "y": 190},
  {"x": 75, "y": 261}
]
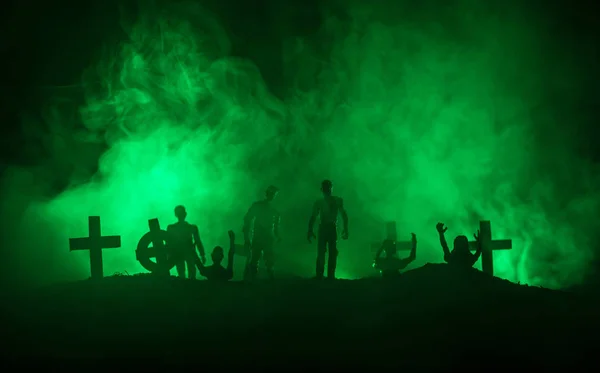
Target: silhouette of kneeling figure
[
  {"x": 391, "y": 264},
  {"x": 461, "y": 256},
  {"x": 216, "y": 271}
]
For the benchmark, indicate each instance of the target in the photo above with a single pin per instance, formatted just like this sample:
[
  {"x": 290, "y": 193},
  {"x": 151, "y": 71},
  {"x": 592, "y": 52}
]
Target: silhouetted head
[
  {"x": 271, "y": 192},
  {"x": 180, "y": 213},
  {"x": 327, "y": 187},
  {"x": 217, "y": 255},
  {"x": 461, "y": 244}
]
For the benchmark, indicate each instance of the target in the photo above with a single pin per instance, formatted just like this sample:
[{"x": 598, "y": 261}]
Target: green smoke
[{"x": 417, "y": 116}]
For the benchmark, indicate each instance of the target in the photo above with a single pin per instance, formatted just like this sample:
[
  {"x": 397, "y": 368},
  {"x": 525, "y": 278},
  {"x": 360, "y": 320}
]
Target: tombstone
[
  {"x": 488, "y": 246},
  {"x": 154, "y": 245},
  {"x": 95, "y": 243},
  {"x": 392, "y": 235}
]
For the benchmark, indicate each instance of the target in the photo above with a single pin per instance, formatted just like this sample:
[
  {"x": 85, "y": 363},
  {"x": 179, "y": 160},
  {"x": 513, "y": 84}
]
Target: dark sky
[{"x": 38, "y": 38}]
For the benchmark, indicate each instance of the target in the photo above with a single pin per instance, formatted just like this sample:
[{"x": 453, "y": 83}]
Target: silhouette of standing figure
[
  {"x": 216, "y": 271},
  {"x": 391, "y": 264},
  {"x": 184, "y": 241},
  {"x": 261, "y": 230},
  {"x": 461, "y": 255},
  {"x": 327, "y": 209}
]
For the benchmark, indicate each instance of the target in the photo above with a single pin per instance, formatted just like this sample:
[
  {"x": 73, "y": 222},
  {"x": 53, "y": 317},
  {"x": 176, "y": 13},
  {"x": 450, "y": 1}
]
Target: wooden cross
[
  {"x": 95, "y": 243},
  {"x": 488, "y": 246},
  {"x": 392, "y": 235}
]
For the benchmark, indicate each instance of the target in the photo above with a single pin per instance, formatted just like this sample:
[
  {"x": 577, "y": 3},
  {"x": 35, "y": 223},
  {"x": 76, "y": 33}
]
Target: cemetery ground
[{"x": 430, "y": 319}]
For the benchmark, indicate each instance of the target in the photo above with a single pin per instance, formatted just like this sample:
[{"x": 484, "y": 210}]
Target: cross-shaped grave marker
[
  {"x": 391, "y": 235},
  {"x": 159, "y": 239},
  {"x": 488, "y": 246},
  {"x": 95, "y": 243}
]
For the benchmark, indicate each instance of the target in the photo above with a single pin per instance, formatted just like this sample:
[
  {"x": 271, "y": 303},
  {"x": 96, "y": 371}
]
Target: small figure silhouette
[
  {"x": 327, "y": 210},
  {"x": 461, "y": 255},
  {"x": 216, "y": 272},
  {"x": 390, "y": 265},
  {"x": 184, "y": 239},
  {"x": 261, "y": 230}
]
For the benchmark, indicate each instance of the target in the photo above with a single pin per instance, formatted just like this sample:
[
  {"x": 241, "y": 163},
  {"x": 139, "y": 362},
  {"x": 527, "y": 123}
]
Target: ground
[{"x": 431, "y": 318}]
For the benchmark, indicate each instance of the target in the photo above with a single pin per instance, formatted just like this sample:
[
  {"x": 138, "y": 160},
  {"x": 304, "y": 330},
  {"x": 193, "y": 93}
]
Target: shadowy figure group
[{"x": 261, "y": 233}]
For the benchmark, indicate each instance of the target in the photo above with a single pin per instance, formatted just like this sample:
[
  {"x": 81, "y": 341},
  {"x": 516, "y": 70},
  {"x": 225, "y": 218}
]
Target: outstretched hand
[
  {"x": 476, "y": 235},
  {"x": 231, "y": 235},
  {"x": 440, "y": 228},
  {"x": 309, "y": 236},
  {"x": 413, "y": 237}
]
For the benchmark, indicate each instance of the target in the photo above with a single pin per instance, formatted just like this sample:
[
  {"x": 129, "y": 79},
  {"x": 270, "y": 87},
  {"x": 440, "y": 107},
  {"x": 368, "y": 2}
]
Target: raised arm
[
  {"x": 479, "y": 249},
  {"x": 413, "y": 253},
  {"x": 344, "y": 216},
  {"x": 441, "y": 230},
  {"x": 248, "y": 219},
  {"x": 231, "y": 255}
]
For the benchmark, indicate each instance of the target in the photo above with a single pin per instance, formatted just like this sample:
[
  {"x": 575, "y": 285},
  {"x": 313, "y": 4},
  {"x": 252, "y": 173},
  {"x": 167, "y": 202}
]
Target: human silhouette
[
  {"x": 390, "y": 265},
  {"x": 327, "y": 209},
  {"x": 261, "y": 230},
  {"x": 216, "y": 271},
  {"x": 184, "y": 239},
  {"x": 461, "y": 255}
]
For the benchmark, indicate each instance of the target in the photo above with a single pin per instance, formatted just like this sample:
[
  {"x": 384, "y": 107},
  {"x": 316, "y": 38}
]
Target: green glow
[{"x": 416, "y": 121}]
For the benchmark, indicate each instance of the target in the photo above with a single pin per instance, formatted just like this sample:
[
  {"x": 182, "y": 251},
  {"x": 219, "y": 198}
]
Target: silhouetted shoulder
[
  {"x": 339, "y": 201},
  {"x": 170, "y": 226}
]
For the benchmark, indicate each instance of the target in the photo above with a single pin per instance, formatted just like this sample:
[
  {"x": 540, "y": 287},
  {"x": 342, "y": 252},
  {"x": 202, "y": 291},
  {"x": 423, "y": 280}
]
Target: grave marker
[
  {"x": 392, "y": 235},
  {"x": 488, "y": 246},
  {"x": 159, "y": 239},
  {"x": 95, "y": 243}
]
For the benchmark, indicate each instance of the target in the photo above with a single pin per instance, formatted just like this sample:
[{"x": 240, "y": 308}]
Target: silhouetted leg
[
  {"x": 321, "y": 250},
  {"x": 191, "y": 267},
  {"x": 254, "y": 259},
  {"x": 269, "y": 258},
  {"x": 333, "y": 254},
  {"x": 180, "y": 267}
]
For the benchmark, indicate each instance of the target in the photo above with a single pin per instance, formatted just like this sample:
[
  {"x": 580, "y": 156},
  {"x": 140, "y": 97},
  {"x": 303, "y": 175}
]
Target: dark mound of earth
[{"x": 432, "y": 318}]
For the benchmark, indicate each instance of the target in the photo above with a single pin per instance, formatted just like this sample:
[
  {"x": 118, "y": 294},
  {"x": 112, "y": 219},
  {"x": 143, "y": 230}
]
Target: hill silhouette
[{"x": 432, "y": 318}]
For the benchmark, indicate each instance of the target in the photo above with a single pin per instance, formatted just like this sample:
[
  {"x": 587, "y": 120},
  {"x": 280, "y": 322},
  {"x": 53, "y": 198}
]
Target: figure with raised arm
[
  {"x": 390, "y": 265},
  {"x": 460, "y": 256},
  {"x": 216, "y": 271}
]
